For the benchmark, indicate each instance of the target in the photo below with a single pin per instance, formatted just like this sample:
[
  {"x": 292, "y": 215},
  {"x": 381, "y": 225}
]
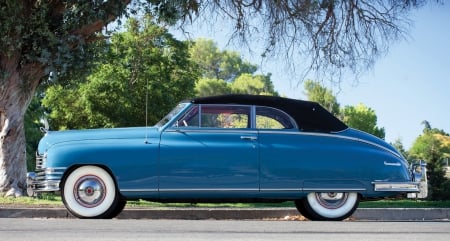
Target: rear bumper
[
  {"x": 409, "y": 187},
  {"x": 418, "y": 188}
]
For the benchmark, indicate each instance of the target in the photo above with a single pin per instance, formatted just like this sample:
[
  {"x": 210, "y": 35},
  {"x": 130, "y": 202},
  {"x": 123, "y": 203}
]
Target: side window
[
  {"x": 225, "y": 116},
  {"x": 270, "y": 118},
  {"x": 191, "y": 118},
  {"x": 216, "y": 116}
]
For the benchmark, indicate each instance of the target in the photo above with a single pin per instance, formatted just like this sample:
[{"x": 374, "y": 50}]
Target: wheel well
[{"x": 73, "y": 167}]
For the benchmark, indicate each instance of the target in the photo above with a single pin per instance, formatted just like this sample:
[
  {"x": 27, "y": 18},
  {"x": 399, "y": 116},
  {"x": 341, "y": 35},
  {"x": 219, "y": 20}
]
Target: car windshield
[{"x": 171, "y": 114}]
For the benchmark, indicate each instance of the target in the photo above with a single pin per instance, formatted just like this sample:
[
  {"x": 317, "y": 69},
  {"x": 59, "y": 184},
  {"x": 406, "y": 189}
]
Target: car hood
[{"x": 56, "y": 137}]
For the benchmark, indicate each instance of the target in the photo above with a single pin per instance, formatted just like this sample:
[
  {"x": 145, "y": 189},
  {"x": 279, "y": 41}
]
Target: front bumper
[{"x": 44, "y": 180}]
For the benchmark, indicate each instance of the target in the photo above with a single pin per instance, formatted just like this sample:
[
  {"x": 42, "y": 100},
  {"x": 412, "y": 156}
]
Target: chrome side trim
[
  {"x": 281, "y": 190},
  {"x": 331, "y": 136},
  {"x": 247, "y": 190},
  {"x": 139, "y": 190},
  {"x": 334, "y": 189},
  {"x": 396, "y": 164},
  {"x": 209, "y": 190},
  {"x": 212, "y": 130}
]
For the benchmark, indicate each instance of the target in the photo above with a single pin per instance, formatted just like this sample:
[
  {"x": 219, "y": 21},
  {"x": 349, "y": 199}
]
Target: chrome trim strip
[
  {"x": 139, "y": 190},
  {"x": 396, "y": 164},
  {"x": 330, "y": 136},
  {"x": 211, "y": 130},
  {"x": 281, "y": 190},
  {"x": 245, "y": 190},
  {"x": 334, "y": 189},
  {"x": 209, "y": 190}
]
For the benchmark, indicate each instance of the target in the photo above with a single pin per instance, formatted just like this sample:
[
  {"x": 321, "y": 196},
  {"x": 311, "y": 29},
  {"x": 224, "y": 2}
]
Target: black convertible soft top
[{"x": 310, "y": 116}]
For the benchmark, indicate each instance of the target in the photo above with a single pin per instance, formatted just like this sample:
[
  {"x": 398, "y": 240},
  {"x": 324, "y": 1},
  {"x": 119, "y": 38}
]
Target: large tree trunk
[
  {"x": 17, "y": 87},
  {"x": 12, "y": 152}
]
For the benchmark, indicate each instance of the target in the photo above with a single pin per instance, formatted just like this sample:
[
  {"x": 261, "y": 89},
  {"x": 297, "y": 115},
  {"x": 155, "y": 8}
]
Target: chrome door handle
[{"x": 250, "y": 138}]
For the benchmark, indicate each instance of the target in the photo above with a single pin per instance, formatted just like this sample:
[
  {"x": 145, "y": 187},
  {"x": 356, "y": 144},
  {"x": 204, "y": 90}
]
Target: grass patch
[
  {"x": 43, "y": 200},
  {"x": 405, "y": 203},
  {"x": 55, "y": 200}
]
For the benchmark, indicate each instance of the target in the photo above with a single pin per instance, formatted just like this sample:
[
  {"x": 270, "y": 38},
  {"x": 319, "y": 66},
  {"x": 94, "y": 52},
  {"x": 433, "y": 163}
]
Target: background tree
[
  {"x": 209, "y": 87},
  {"x": 216, "y": 64},
  {"x": 433, "y": 146},
  {"x": 33, "y": 122},
  {"x": 362, "y": 118},
  {"x": 225, "y": 72},
  {"x": 315, "y": 91},
  {"x": 42, "y": 39},
  {"x": 142, "y": 62},
  {"x": 399, "y": 146},
  {"x": 336, "y": 36},
  {"x": 253, "y": 84}
]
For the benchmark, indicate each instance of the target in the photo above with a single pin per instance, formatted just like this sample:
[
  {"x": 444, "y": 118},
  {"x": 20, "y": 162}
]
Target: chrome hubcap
[
  {"x": 89, "y": 191},
  {"x": 331, "y": 200}
]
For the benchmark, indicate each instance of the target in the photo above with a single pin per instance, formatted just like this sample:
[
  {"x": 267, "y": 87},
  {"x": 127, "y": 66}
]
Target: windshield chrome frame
[{"x": 176, "y": 116}]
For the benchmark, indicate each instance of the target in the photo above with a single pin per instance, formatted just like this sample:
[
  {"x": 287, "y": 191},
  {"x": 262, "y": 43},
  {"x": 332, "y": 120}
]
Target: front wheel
[
  {"x": 330, "y": 206},
  {"x": 90, "y": 192}
]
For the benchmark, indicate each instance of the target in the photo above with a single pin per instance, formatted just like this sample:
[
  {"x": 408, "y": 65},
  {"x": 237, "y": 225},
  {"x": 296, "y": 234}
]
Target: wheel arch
[{"x": 75, "y": 166}]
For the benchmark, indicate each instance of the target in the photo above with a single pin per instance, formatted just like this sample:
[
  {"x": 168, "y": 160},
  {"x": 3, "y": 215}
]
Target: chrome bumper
[
  {"x": 412, "y": 187},
  {"x": 418, "y": 188},
  {"x": 44, "y": 180}
]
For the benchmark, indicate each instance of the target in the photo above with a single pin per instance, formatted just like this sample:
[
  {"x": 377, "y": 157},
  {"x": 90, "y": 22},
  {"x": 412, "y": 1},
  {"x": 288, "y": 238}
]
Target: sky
[{"x": 408, "y": 85}]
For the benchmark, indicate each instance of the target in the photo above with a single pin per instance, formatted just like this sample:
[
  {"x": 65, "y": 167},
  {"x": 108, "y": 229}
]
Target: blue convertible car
[{"x": 231, "y": 148}]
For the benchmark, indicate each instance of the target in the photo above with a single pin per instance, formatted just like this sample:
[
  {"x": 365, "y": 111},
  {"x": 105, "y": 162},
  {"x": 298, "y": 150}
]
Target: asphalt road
[{"x": 217, "y": 230}]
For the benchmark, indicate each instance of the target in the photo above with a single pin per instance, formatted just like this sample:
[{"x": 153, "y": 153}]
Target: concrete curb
[{"x": 369, "y": 214}]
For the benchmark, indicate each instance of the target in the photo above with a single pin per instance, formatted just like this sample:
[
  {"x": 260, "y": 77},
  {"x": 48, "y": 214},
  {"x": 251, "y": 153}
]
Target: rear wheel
[
  {"x": 90, "y": 192},
  {"x": 330, "y": 206},
  {"x": 300, "y": 205}
]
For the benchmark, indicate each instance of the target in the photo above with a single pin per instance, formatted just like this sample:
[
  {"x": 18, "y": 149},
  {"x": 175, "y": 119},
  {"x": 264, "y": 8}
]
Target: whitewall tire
[
  {"x": 90, "y": 192},
  {"x": 331, "y": 206}
]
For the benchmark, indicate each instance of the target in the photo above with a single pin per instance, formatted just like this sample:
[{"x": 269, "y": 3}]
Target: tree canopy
[
  {"x": 330, "y": 37},
  {"x": 363, "y": 118},
  {"x": 142, "y": 67},
  {"x": 318, "y": 93},
  {"x": 216, "y": 64},
  {"x": 433, "y": 146},
  {"x": 359, "y": 117}
]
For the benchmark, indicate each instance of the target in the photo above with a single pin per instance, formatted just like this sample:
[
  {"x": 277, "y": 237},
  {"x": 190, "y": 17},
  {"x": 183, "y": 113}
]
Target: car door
[
  {"x": 279, "y": 155},
  {"x": 211, "y": 152}
]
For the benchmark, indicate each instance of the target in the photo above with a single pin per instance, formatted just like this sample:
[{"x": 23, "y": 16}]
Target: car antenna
[{"x": 146, "y": 113}]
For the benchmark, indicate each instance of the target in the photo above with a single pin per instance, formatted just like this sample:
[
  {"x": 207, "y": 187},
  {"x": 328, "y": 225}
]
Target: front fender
[{"x": 132, "y": 163}]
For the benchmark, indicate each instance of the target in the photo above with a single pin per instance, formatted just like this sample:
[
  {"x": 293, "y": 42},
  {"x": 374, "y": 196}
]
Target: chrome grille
[{"x": 39, "y": 161}]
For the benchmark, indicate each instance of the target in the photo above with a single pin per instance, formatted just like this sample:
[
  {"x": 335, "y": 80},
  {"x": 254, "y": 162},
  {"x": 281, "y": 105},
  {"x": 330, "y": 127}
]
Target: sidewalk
[{"x": 369, "y": 214}]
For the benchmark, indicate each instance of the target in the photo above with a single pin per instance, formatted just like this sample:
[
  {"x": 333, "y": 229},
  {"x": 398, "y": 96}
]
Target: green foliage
[
  {"x": 54, "y": 34},
  {"x": 322, "y": 95},
  {"x": 362, "y": 118},
  {"x": 399, "y": 146},
  {"x": 209, "y": 87},
  {"x": 33, "y": 134},
  {"x": 216, "y": 64},
  {"x": 359, "y": 117},
  {"x": 433, "y": 147},
  {"x": 225, "y": 72},
  {"x": 143, "y": 58},
  {"x": 253, "y": 84}
]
